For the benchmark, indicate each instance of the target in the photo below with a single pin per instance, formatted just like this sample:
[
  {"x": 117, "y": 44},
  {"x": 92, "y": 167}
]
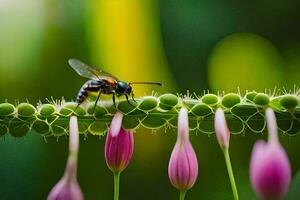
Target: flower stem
[
  {"x": 116, "y": 185},
  {"x": 182, "y": 194},
  {"x": 230, "y": 173}
]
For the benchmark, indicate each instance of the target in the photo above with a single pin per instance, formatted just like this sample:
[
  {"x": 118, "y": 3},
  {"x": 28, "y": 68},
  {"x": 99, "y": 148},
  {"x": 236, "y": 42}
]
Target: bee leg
[
  {"x": 78, "y": 104},
  {"x": 96, "y": 101},
  {"x": 128, "y": 99},
  {"x": 132, "y": 96},
  {"x": 114, "y": 100}
]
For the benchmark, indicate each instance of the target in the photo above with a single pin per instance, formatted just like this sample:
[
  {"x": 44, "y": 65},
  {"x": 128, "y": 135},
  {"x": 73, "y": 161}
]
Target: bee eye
[{"x": 128, "y": 90}]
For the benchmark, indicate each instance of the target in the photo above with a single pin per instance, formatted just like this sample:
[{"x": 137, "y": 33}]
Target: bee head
[{"x": 123, "y": 88}]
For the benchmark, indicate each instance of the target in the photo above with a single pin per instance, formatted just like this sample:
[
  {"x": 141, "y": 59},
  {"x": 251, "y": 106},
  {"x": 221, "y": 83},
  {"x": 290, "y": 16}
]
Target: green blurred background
[{"x": 189, "y": 45}]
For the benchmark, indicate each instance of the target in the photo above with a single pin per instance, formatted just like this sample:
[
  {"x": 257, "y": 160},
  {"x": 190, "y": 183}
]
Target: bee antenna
[{"x": 149, "y": 83}]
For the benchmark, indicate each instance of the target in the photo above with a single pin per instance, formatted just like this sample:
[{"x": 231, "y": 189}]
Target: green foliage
[
  {"x": 153, "y": 112},
  {"x": 261, "y": 99},
  {"x": 294, "y": 193}
]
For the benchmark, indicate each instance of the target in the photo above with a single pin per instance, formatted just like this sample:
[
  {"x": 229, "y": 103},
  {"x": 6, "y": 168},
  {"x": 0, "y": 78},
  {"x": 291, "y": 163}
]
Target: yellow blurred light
[
  {"x": 125, "y": 39},
  {"x": 244, "y": 60},
  {"x": 292, "y": 67}
]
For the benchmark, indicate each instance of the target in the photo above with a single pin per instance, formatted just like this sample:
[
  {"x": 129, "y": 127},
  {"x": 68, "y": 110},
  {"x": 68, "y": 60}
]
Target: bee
[{"x": 102, "y": 82}]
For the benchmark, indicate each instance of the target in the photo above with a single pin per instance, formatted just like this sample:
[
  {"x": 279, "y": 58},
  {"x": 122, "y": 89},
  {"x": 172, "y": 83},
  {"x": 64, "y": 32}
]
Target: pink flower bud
[
  {"x": 67, "y": 188},
  {"x": 183, "y": 164},
  {"x": 221, "y": 129},
  {"x": 119, "y": 145},
  {"x": 270, "y": 170},
  {"x": 116, "y": 124}
]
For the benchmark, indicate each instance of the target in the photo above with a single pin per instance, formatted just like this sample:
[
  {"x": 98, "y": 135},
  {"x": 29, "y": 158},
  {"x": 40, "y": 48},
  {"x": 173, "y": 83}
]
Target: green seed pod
[
  {"x": 69, "y": 108},
  {"x": 83, "y": 126},
  {"x": 201, "y": 110},
  {"x": 166, "y": 116},
  {"x": 41, "y": 127},
  {"x": 109, "y": 106},
  {"x": 130, "y": 122},
  {"x": 210, "y": 99},
  {"x": 97, "y": 128},
  {"x": 256, "y": 123},
  {"x": 125, "y": 107},
  {"x": 60, "y": 126},
  {"x": 173, "y": 122},
  {"x": 65, "y": 111},
  {"x": 153, "y": 123},
  {"x": 148, "y": 103},
  {"x": 190, "y": 103},
  {"x": 133, "y": 120},
  {"x": 50, "y": 119},
  {"x": 58, "y": 130},
  {"x": 6, "y": 109},
  {"x": 3, "y": 129},
  {"x": 26, "y": 110},
  {"x": 289, "y": 102},
  {"x": 18, "y": 128},
  {"x": 244, "y": 110},
  {"x": 235, "y": 125},
  {"x": 47, "y": 110},
  {"x": 206, "y": 125},
  {"x": 80, "y": 111},
  {"x": 153, "y": 113},
  {"x": 193, "y": 123},
  {"x": 250, "y": 95},
  {"x": 230, "y": 100},
  {"x": 168, "y": 101},
  {"x": 98, "y": 111},
  {"x": 275, "y": 104},
  {"x": 261, "y": 99}
]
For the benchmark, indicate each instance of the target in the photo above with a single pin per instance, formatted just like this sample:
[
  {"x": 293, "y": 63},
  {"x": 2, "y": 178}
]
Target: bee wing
[{"x": 88, "y": 71}]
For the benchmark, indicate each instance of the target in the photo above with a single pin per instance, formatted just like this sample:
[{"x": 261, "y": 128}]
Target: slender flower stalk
[
  {"x": 68, "y": 188},
  {"x": 223, "y": 137},
  {"x": 183, "y": 164},
  {"x": 119, "y": 147},
  {"x": 270, "y": 170},
  {"x": 182, "y": 195}
]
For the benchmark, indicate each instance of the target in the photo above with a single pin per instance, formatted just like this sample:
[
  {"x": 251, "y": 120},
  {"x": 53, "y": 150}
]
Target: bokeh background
[{"x": 188, "y": 45}]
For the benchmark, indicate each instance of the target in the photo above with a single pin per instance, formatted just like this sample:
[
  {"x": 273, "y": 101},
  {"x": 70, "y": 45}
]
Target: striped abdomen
[{"x": 89, "y": 86}]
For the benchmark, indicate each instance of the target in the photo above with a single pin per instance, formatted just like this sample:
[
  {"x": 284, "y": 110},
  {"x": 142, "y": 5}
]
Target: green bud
[
  {"x": 230, "y": 100},
  {"x": 201, "y": 110},
  {"x": 210, "y": 99},
  {"x": 289, "y": 102},
  {"x": 148, "y": 104},
  {"x": 26, "y": 110},
  {"x": 47, "y": 110},
  {"x": 261, "y": 99},
  {"x": 6, "y": 109},
  {"x": 168, "y": 101}
]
